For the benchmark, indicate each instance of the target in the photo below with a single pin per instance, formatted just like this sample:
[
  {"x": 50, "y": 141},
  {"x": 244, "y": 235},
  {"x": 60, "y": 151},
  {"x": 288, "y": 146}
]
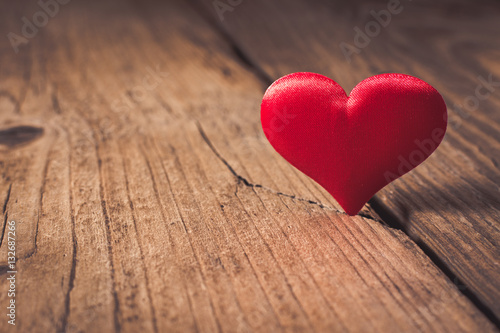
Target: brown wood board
[{"x": 146, "y": 197}]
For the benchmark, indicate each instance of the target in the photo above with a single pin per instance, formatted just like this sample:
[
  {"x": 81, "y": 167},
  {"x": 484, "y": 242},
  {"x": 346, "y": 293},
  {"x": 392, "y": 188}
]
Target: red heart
[{"x": 353, "y": 146}]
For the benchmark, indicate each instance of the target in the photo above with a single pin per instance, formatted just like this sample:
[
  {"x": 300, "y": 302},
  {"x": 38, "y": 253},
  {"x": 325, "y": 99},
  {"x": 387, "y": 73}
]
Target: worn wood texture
[
  {"x": 147, "y": 199},
  {"x": 450, "y": 205}
]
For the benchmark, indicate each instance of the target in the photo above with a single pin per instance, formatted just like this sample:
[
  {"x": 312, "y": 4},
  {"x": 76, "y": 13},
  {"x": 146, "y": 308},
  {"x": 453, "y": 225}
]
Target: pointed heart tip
[{"x": 351, "y": 210}]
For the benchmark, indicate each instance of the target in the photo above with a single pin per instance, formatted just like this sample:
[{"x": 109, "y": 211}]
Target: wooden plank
[
  {"x": 158, "y": 206},
  {"x": 450, "y": 204}
]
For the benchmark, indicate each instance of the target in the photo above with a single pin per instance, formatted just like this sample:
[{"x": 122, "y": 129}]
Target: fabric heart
[{"x": 353, "y": 146}]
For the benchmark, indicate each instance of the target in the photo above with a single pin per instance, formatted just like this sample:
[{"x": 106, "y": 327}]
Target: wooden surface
[
  {"x": 451, "y": 203},
  {"x": 153, "y": 202}
]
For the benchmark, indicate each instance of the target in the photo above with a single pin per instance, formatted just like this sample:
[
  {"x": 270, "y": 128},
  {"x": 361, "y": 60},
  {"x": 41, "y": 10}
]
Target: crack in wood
[
  {"x": 107, "y": 223},
  {"x": 3, "y": 228},
  {"x": 394, "y": 222},
  {"x": 5, "y": 213},
  {"x": 7, "y": 199},
  {"x": 235, "y": 47},
  {"x": 40, "y": 204},
  {"x": 242, "y": 180},
  {"x": 110, "y": 254},
  {"x": 72, "y": 274},
  {"x": 141, "y": 251},
  {"x": 29, "y": 255}
]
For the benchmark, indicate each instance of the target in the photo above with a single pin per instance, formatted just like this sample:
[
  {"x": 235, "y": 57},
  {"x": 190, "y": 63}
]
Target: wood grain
[
  {"x": 152, "y": 202},
  {"x": 450, "y": 205}
]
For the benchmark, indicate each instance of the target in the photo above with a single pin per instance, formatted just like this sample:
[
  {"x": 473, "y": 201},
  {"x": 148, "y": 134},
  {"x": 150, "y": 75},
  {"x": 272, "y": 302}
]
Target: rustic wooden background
[{"x": 147, "y": 199}]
